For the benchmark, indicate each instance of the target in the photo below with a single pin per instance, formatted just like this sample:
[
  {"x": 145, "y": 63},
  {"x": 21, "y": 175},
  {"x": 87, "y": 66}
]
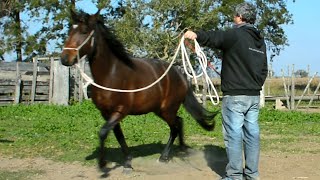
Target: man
[{"x": 244, "y": 70}]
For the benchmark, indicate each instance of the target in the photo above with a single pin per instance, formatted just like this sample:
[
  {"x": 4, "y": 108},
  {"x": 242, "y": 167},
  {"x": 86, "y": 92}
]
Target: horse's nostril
[{"x": 65, "y": 60}]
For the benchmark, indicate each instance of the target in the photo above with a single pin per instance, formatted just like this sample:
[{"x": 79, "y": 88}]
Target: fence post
[
  {"x": 314, "y": 95},
  {"x": 81, "y": 90},
  {"x": 308, "y": 72},
  {"x": 285, "y": 90},
  {"x": 60, "y": 93},
  {"x": 292, "y": 88},
  {"x": 305, "y": 90},
  {"x": 51, "y": 79},
  {"x": 262, "y": 96},
  {"x": 75, "y": 84},
  {"x": 204, "y": 92},
  {"x": 17, "y": 98},
  {"x": 34, "y": 80}
]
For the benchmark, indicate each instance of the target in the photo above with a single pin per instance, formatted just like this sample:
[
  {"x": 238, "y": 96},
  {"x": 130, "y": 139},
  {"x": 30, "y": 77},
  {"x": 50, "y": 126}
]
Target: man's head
[{"x": 247, "y": 12}]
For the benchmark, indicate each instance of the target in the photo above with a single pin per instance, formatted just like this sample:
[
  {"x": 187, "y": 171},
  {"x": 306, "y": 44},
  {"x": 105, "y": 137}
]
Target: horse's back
[{"x": 172, "y": 89}]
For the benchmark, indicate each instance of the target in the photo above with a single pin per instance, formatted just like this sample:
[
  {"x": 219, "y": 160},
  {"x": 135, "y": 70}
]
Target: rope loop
[{"x": 186, "y": 64}]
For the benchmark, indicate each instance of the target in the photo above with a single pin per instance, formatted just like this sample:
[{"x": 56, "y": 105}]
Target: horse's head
[{"x": 81, "y": 38}]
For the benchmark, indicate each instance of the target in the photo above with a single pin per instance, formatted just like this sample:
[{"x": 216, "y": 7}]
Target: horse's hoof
[
  {"x": 102, "y": 164},
  {"x": 184, "y": 148},
  {"x": 105, "y": 175},
  {"x": 127, "y": 170},
  {"x": 164, "y": 159}
]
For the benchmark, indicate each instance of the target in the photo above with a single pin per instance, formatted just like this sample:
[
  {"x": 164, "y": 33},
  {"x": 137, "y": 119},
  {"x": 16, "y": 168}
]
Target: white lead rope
[{"x": 185, "y": 59}]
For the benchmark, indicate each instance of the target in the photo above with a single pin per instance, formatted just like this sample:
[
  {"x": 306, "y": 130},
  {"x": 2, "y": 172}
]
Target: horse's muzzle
[{"x": 66, "y": 60}]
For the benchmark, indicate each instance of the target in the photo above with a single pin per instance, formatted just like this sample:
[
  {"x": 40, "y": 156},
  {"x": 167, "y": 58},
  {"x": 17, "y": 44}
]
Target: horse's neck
[{"x": 103, "y": 63}]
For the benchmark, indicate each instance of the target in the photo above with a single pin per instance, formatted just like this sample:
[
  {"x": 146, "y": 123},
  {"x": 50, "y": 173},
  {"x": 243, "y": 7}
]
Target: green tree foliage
[
  {"x": 147, "y": 27},
  {"x": 11, "y": 26},
  {"x": 301, "y": 73},
  {"x": 152, "y": 28},
  {"x": 48, "y": 19}
]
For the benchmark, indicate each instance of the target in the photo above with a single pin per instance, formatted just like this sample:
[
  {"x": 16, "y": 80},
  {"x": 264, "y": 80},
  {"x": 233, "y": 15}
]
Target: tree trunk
[{"x": 16, "y": 16}]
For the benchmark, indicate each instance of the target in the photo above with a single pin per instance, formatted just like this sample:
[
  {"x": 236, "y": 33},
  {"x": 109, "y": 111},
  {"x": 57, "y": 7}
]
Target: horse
[{"x": 111, "y": 66}]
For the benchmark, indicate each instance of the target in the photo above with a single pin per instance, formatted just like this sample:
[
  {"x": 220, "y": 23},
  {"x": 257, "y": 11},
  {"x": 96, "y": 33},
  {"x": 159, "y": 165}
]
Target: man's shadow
[{"x": 215, "y": 156}]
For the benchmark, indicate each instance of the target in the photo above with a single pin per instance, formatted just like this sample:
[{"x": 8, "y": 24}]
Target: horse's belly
[{"x": 129, "y": 103}]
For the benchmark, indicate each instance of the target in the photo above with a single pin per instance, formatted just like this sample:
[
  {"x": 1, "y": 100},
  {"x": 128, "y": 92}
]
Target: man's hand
[{"x": 190, "y": 35}]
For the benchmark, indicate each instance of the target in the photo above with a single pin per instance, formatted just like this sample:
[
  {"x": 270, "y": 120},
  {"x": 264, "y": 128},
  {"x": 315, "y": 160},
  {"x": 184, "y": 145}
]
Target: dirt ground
[{"x": 198, "y": 165}]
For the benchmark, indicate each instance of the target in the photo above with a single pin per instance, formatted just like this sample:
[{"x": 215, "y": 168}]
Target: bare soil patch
[{"x": 202, "y": 165}]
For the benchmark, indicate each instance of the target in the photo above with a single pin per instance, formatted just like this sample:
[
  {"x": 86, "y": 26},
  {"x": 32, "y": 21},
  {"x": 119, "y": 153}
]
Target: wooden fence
[
  {"x": 45, "y": 80},
  {"x": 42, "y": 81}
]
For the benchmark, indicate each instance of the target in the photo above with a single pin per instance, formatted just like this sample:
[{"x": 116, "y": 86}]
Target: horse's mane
[
  {"x": 110, "y": 38},
  {"x": 114, "y": 44}
]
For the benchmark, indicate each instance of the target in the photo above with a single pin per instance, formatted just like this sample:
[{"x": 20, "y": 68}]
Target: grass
[
  {"x": 18, "y": 175},
  {"x": 70, "y": 133}
]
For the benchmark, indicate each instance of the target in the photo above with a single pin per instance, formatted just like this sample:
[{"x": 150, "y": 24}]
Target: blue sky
[{"x": 303, "y": 36}]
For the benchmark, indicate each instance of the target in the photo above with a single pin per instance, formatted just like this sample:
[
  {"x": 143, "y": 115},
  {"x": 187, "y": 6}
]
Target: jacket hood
[{"x": 259, "y": 41}]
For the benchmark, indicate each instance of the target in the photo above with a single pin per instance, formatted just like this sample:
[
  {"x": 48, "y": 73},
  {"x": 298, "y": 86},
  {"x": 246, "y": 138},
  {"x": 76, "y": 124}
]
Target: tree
[
  {"x": 10, "y": 12},
  {"x": 152, "y": 28},
  {"x": 301, "y": 73},
  {"x": 48, "y": 18},
  {"x": 147, "y": 27}
]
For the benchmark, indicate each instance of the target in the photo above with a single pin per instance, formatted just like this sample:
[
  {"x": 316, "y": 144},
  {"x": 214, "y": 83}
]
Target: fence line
[{"x": 45, "y": 80}]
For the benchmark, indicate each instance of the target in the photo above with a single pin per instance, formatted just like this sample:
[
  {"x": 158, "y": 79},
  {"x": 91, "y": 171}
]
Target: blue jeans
[{"x": 241, "y": 136}]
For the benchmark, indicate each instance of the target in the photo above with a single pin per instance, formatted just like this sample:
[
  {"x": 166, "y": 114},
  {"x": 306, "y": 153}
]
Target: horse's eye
[{"x": 84, "y": 30}]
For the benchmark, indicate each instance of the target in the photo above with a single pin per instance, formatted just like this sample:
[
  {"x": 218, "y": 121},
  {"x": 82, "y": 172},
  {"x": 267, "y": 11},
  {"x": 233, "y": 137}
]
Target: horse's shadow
[
  {"x": 115, "y": 154},
  {"x": 214, "y": 156}
]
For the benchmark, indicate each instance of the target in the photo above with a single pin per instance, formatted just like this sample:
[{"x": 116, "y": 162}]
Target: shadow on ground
[
  {"x": 6, "y": 141},
  {"x": 214, "y": 156}
]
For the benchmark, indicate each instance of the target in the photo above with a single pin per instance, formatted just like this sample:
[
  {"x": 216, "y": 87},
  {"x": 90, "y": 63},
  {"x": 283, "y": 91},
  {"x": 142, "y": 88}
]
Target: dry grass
[{"x": 275, "y": 86}]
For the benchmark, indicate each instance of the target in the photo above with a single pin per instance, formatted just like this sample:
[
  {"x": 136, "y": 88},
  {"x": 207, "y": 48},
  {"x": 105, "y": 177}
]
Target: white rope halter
[{"x": 186, "y": 64}]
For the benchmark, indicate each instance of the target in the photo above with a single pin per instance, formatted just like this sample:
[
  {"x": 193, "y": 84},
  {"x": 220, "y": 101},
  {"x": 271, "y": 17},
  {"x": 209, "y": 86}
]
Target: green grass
[
  {"x": 18, "y": 175},
  {"x": 70, "y": 133}
]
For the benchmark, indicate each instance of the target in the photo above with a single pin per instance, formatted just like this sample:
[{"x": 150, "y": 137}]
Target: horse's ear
[
  {"x": 97, "y": 13},
  {"x": 74, "y": 16},
  {"x": 94, "y": 18}
]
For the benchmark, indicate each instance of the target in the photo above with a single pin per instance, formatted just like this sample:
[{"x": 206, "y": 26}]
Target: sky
[{"x": 303, "y": 37}]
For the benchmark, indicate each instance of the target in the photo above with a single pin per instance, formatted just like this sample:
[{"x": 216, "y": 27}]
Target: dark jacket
[{"x": 244, "y": 60}]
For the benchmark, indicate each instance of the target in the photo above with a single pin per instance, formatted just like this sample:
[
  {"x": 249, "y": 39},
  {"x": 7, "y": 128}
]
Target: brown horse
[{"x": 112, "y": 67}]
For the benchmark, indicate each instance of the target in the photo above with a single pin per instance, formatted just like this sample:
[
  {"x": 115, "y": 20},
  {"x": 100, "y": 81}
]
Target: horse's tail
[{"x": 204, "y": 117}]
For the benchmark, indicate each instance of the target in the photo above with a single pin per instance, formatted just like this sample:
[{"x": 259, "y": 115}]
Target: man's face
[{"x": 237, "y": 19}]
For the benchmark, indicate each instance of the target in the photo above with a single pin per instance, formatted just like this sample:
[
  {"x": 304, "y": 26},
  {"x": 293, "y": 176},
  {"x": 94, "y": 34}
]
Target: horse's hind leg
[
  {"x": 112, "y": 121},
  {"x": 124, "y": 147},
  {"x": 175, "y": 130},
  {"x": 182, "y": 144}
]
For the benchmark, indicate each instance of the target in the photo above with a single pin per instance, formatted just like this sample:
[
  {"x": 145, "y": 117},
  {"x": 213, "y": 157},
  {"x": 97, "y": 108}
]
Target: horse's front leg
[
  {"x": 124, "y": 147},
  {"x": 112, "y": 121}
]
